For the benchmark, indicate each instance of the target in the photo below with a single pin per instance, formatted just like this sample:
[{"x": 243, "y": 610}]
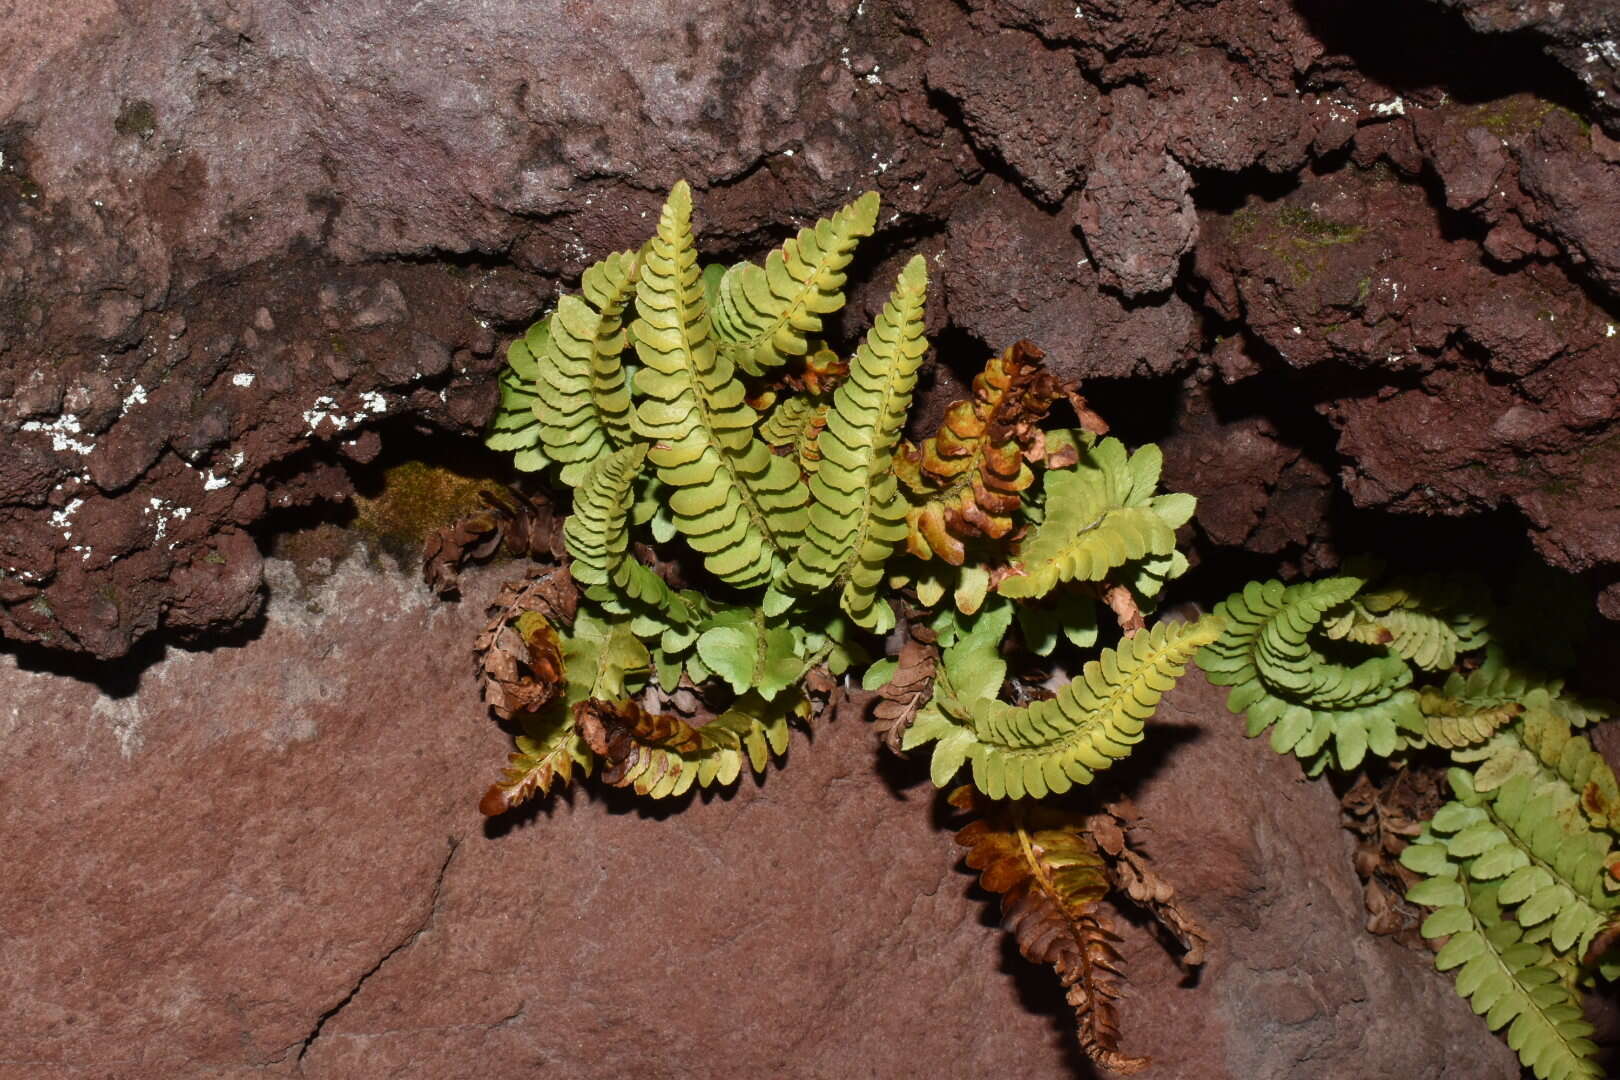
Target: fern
[
  {"x": 1284, "y": 682},
  {"x": 736, "y": 502},
  {"x": 662, "y": 756},
  {"x": 1050, "y": 880},
  {"x": 1520, "y": 864},
  {"x": 968, "y": 480},
  {"x": 584, "y": 405},
  {"x": 797, "y": 492},
  {"x": 794, "y": 424},
  {"x": 857, "y": 514},
  {"x": 1549, "y": 863},
  {"x": 598, "y": 538},
  {"x": 1100, "y": 515},
  {"x": 1050, "y": 746},
  {"x": 515, "y": 426},
  {"x": 765, "y": 316},
  {"x": 1426, "y": 621},
  {"x": 1505, "y": 978}
]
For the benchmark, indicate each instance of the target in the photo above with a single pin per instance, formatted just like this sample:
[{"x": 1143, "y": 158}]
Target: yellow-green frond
[
  {"x": 857, "y": 512},
  {"x": 734, "y": 501},
  {"x": 597, "y": 535},
  {"x": 1050, "y": 746},
  {"x": 584, "y": 404},
  {"x": 1100, "y": 514},
  {"x": 764, "y": 315}
]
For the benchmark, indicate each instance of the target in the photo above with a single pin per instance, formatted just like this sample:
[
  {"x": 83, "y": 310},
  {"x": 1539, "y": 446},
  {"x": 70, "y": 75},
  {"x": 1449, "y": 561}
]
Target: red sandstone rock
[{"x": 267, "y": 860}]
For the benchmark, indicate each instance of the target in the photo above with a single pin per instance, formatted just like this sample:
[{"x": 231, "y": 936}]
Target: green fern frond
[
  {"x": 584, "y": 404},
  {"x": 1572, "y": 759},
  {"x": 857, "y": 513},
  {"x": 1052, "y": 745},
  {"x": 603, "y": 659},
  {"x": 1549, "y": 864},
  {"x": 765, "y": 315},
  {"x": 738, "y": 504},
  {"x": 751, "y": 655},
  {"x": 785, "y": 424},
  {"x": 1279, "y": 677},
  {"x": 1428, "y": 621},
  {"x": 597, "y": 536},
  {"x": 516, "y": 427},
  {"x": 1099, "y": 515},
  {"x": 1505, "y": 978}
]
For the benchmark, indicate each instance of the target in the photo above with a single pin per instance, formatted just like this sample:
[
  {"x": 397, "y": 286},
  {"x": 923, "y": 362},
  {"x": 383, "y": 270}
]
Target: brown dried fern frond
[
  {"x": 968, "y": 480},
  {"x": 1050, "y": 879},
  {"x": 518, "y": 653},
  {"x": 623, "y": 734},
  {"x": 908, "y": 690}
]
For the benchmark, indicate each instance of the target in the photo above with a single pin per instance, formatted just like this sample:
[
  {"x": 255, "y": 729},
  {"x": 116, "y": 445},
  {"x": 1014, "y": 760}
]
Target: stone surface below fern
[{"x": 201, "y": 870}]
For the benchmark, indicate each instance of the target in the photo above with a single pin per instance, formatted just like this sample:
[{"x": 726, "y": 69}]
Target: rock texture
[
  {"x": 246, "y": 241},
  {"x": 1353, "y": 266},
  {"x": 266, "y": 861}
]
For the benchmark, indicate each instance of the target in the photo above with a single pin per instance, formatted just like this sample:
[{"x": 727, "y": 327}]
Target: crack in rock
[{"x": 409, "y": 940}]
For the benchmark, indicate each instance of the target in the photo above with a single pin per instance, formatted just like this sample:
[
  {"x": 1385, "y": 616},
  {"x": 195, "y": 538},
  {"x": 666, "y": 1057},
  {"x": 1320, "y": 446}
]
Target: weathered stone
[{"x": 266, "y": 860}]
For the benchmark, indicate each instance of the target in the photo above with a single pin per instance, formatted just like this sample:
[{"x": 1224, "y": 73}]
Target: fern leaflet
[{"x": 735, "y": 501}]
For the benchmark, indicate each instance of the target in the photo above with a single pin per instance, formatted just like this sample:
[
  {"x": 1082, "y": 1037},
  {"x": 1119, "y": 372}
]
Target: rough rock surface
[
  {"x": 266, "y": 861},
  {"x": 245, "y": 242}
]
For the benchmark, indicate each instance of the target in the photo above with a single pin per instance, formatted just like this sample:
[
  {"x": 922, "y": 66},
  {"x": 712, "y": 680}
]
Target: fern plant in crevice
[
  {"x": 1521, "y": 866},
  {"x": 750, "y": 531}
]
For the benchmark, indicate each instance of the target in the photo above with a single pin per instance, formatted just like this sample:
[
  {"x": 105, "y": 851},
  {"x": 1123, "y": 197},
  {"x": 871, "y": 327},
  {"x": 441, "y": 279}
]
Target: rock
[
  {"x": 267, "y": 860},
  {"x": 263, "y": 220},
  {"x": 1012, "y": 270},
  {"x": 1136, "y": 209},
  {"x": 1023, "y": 102}
]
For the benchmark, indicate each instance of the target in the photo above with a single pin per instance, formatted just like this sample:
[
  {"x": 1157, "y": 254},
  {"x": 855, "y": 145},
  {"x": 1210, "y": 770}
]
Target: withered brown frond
[
  {"x": 621, "y": 733},
  {"x": 908, "y": 690},
  {"x": 519, "y": 656},
  {"x": 968, "y": 480},
  {"x": 447, "y": 550},
  {"x": 1050, "y": 878},
  {"x": 527, "y": 524}
]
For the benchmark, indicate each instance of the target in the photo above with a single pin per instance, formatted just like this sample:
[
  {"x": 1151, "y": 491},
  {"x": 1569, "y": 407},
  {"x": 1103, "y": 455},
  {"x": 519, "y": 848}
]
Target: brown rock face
[
  {"x": 267, "y": 861},
  {"x": 244, "y": 241}
]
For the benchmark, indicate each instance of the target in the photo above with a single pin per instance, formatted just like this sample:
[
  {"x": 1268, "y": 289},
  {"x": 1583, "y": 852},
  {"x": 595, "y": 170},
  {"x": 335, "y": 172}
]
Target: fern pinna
[
  {"x": 700, "y": 406},
  {"x": 1521, "y": 865}
]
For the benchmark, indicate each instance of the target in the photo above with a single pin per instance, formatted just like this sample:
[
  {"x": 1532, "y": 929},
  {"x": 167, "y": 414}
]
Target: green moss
[
  {"x": 415, "y": 499},
  {"x": 1559, "y": 485},
  {"x": 1297, "y": 238},
  {"x": 1312, "y": 230},
  {"x": 138, "y": 118},
  {"x": 1519, "y": 114}
]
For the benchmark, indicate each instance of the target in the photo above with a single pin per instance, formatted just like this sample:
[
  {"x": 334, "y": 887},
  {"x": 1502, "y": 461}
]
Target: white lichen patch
[
  {"x": 164, "y": 514},
  {"x": 243, "y": 379},
  {"x": 1393, "y": 107},
  {"x": 136, "y": 396},
  {"x": 62, "y": 431},
  {"x": 62, "y": 519},
  {"x": 326, "y": 409}
]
